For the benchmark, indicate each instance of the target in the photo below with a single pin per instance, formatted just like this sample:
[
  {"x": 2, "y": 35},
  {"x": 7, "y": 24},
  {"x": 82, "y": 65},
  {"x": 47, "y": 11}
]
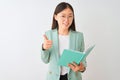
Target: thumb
[{"x": 45, "y": 37}]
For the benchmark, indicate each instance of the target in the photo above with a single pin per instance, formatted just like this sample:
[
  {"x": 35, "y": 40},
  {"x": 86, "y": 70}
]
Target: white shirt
[{"x": 63, "y": 44}]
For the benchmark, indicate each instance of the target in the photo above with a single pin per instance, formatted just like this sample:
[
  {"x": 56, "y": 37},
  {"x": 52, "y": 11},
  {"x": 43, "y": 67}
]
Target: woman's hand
[
  {"x": 76, "y": 67},
  {"x": 47, "y": 43}
]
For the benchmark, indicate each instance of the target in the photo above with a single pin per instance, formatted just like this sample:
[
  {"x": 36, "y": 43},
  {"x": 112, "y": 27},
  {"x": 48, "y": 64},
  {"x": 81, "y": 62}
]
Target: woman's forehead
[{"x": 66, "y": 11}]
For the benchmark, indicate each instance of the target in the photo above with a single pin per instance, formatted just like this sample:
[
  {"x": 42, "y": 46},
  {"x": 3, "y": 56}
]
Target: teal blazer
[{"x": 51, "y": 56}]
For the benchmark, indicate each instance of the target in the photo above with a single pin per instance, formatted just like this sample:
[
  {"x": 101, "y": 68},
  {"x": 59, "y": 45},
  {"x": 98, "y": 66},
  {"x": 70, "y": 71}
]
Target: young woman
[{"x": 62, "y": 35}]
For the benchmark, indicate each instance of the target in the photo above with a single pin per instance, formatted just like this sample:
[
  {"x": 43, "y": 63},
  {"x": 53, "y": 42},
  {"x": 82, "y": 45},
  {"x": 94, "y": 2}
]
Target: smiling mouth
[{"x": 66, "y": 24}]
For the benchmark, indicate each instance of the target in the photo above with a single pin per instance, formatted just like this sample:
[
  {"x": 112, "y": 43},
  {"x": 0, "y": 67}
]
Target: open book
[{"x": 69, "y": 56}]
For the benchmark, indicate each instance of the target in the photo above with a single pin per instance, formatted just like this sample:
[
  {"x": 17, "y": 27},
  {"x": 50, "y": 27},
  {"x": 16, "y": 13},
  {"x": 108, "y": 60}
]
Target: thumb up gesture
[{"x": 47, "y": 43}]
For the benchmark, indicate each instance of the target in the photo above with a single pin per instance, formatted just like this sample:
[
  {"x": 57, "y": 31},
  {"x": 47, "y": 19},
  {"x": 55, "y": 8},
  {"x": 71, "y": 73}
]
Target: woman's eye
[
  {"x": 70, "y": 16},
  {"x": 63, "y": 16}
]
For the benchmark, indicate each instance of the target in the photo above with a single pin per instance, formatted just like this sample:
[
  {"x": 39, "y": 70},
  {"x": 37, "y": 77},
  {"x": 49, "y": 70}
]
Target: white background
[{"x": 23, "y": 23}]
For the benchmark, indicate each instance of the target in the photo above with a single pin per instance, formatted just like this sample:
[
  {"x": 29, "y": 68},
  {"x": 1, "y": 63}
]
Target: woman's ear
[{"x": 55, "y": 17}]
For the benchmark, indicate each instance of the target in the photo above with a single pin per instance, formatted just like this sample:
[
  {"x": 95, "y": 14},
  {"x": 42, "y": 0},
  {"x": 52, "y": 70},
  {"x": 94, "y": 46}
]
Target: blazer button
[
  {"x": 69, "y": 78},
  {"x": 50, "y": 72}
]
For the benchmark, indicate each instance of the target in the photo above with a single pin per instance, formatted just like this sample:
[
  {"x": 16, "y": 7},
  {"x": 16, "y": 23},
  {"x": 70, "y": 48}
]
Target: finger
[
  {"x": 74, "y": 64},
  {"x": 71, "y": 66},
  {"x": 45, "y": 37},
  {"x": 81, "y": 64},
  {"x": 49, "y": 42},
  {"x": 47, "y": 47}
]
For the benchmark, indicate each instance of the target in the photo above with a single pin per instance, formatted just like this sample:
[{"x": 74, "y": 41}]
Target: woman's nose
[{"x": 67, "y": 19}]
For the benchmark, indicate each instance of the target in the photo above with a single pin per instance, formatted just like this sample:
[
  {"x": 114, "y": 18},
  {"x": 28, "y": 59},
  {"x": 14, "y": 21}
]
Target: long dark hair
[{"x": 60, "y": 7}]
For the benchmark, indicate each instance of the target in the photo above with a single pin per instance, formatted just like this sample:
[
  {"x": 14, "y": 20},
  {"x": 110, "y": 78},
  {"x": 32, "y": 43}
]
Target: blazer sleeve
[
  {"x": 82, "y": 43},
  {"x": 83, "y": 48},
  {"x": 45, "y": 54}
]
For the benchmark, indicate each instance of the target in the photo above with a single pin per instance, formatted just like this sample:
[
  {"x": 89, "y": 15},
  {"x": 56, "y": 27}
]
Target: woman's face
[{"x": 64, "y": 18}]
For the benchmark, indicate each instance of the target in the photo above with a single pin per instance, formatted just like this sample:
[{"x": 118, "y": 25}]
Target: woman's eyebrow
[{"x": 68, "y": 14}]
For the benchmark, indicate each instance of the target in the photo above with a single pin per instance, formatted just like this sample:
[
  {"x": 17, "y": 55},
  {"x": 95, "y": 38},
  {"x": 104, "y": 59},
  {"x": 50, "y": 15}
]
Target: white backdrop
[{"x": 23, "y": 22}]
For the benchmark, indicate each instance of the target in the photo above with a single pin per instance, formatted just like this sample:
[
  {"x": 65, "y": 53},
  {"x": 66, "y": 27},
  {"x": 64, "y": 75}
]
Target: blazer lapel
[
  {"x": 56, "y": 42},
  {"x": 72, "y": 40},
  {"x": 71, "y": 43}
]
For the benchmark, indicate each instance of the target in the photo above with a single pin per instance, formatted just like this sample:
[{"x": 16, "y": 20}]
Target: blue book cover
[{"x": 69, "y": 56}]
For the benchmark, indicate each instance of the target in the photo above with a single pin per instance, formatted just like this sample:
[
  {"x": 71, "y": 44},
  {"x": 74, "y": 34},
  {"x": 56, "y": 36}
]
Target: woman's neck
[{"x": 63, "y": 32}]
